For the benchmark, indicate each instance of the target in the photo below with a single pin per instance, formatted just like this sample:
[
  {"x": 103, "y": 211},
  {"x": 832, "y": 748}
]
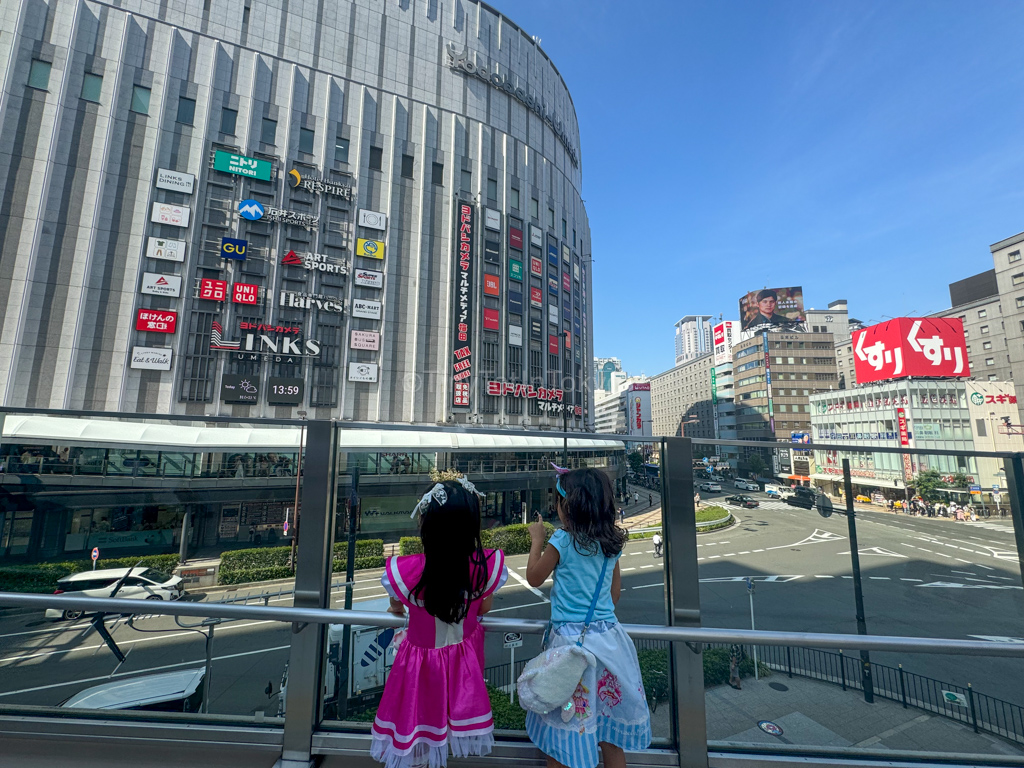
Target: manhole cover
[
  {"x": 778, "y": 686},
  {"x": 770, "y": 728}
]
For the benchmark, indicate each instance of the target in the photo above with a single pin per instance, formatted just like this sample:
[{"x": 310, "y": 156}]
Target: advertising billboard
[
  {"x": 536, "y": 267},
  {"x": 245, "y": 293},
  {"x": 233, "y": 248},
  {"x": 156, "y": 320},
  {"x": 239, "y": 389},
  {"x": 165, "y": 250},
  {"x": 373, "y": 220},
  {"x": 371, "y": 249},
  {"x": 369, "y": 278},
  {"x": 362, "y": 372},
  {"x": 536, "y": 297},
  {"x": 638, "y": 409},
  {"x": 723, "y": 334},
  {"x": 462, "y": 327},
  {"x": 173, "y": 215},
  {"x": 240, "y": 165},
  {"x": 491, "y": 320},
  {"x": 174, "y": 181},
  {"x": 213, "y": 290},
  {"x": 285, "y": 391},
  {"x": 492, "y": 285},
  {"x": 365, "y": 340},
  {"x": 515, "y": 238},
  {"x": 151, "y": 358},
  {"x": 160, "y": 285},
  {"x": 932, "y": 347},
  {"x": 368, "y": 309},
  {"x": 771, "y": 308}
]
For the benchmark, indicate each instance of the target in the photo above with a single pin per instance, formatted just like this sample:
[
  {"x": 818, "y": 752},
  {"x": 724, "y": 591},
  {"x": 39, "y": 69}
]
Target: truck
[
  {"x": 778, "y": 491},
  {"x": 372, "y": 653}
]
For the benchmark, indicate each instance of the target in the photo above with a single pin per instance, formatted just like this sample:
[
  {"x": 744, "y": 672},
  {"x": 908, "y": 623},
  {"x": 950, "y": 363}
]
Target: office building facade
[
  {"x": 366, "y": 211},
  {"x": 693, "y": 337},
  {"x": 681, "y": 400}
]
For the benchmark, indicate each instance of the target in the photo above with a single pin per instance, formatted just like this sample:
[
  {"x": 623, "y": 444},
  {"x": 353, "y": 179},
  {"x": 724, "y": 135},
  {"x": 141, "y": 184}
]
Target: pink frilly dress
[{"x": 435, "y": 696}]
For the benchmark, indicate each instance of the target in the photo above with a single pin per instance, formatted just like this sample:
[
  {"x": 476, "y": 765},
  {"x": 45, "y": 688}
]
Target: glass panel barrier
[
  {"x": 64, "y": 531},
  {"x": 517, "y": 486},
  {"x": 935, "y": 559}
]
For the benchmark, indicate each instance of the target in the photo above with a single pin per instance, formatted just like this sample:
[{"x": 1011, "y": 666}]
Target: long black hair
[
  {"x": 455, "y": 567},
  {"x": 589, "y": 512}
]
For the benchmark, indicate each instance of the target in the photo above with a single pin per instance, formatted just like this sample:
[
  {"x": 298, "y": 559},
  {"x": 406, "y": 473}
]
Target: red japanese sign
[
  {"x": 536, "y": 266},
  {"x": 462, "y": 367},
  {"x": 536, "y": 297},
  {"x": 213, "y": 290},
  {"x": 566, "y": 282},
  {"x": 515, "y": 238},
  {"x": 911, "y": 346},
  {"x": 244, "y": 293},
  {"x": 491, "y": 285},
  {"x": 528, "y": 391},
  {"x": 491, "y": 320},
  {"x": 552, "y": 345},
  {"x": 901, "y": 419},
  {"x": 156, "y": 320}
]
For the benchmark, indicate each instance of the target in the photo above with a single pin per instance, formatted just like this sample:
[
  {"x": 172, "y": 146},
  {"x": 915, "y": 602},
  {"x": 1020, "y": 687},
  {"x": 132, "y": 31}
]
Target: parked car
[
  {"x": 710, "y": 487},
  {"x": 743, "y": 501},
  {"x": 802, "y": 497},
  {"x": 747, "y": 485},
  {"x": 180, "y": 691},
  {"x": 141, "y": 584},
  {"x": 862, "y": 499}
]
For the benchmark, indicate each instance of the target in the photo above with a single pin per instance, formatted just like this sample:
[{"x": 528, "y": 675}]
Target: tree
[
  {"x": 959, "y": 480},
  {"x": 636, "y": 461},
  {"x": 757, "y": 465},
  {"x": 928, "y": 483}
]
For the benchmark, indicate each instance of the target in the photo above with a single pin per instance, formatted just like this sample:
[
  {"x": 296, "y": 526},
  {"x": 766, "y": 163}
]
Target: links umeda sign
[{"x": 489, "y": 74}]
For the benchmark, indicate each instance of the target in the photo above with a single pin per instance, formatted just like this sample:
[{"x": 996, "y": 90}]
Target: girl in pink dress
[{"x": 435, "y": 697}]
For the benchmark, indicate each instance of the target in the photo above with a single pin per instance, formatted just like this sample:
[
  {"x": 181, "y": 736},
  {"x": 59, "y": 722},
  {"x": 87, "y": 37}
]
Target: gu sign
[{"x": 911, "y": 346}]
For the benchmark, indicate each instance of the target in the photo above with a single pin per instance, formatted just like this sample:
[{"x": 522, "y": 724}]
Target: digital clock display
[{"x": 282, "y": 391}]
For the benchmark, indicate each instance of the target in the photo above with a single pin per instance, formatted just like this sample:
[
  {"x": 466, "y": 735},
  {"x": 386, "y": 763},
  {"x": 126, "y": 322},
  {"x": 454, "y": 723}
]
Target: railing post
[
  {"x": 903, "y": 688},
  {"x": 974, "y": 711},
  {"x": 1014, "y": 467},
  {"x": 312, "y": 590},
  {"x": 682, "y": 595},
  {"x": 789, "y": 661},
  {"x": 842, "y": 667},
  {"x": 858, "y": 592}
]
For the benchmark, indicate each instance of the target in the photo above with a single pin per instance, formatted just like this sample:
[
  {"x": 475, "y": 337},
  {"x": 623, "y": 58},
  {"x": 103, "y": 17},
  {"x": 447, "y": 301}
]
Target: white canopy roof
[{"x": 137, "y": 435}]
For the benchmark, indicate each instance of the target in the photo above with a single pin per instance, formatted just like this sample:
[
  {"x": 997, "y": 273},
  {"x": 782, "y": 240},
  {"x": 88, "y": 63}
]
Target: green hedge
[
  {"x": 510, "y": 539},
  {"x": 42, "y": 577},
  {"x": 710, "y": 514},
  {"x": 241, "y": 566}
]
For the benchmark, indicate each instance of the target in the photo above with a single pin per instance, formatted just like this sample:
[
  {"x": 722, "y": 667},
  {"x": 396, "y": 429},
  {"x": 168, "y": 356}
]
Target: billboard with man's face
[{"x": 771, "y": 308}]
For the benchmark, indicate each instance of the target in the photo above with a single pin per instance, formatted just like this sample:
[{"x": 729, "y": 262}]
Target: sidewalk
[{"x": 813, "y": 713}]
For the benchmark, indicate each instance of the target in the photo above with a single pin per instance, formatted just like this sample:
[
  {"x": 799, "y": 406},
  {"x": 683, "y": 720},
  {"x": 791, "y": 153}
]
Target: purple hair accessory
[{"x": 559, "y": 470}]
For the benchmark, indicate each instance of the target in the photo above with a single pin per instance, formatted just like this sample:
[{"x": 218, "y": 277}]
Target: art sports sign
[{"x": 911, "y": 346}]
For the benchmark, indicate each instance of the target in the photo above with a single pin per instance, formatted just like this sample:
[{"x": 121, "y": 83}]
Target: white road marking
[
  {"x": 744, "y": 553},
  {"x": 824, "y": 577},
  {"x": 961, "y": 560},
  {"x": 713, "y": 557},
  {"x": 646, "y": 566},
  {"x": 918, "y": 580},
  {"x": 759, "y": 550},
  {"x": 877, "y": 551},
  {"x": 526, "y": 584},
  {"x": 626, "y": 570},
  {"x": 879, "y": 578}
]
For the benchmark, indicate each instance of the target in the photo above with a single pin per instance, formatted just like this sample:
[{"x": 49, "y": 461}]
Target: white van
[
  {"x": 778, "y": 491},
  {"x": 180, "y": 691},
  {"x": 142, "y": 584}
]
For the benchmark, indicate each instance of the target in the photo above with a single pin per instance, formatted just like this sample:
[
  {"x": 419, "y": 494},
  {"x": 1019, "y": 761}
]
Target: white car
[
  {"x": 142, "y": 584},
  {"x": 711, "y": 487},
  {"x": 747, "y": 485},
  {"x": 180, "y": 691}
]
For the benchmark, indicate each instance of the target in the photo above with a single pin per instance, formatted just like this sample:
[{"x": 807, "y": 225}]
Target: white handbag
[{"x": 549, "y": 680}]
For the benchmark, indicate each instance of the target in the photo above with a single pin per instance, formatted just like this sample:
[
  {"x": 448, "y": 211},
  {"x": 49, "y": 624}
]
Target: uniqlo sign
[
  {"x": 156, "y": 320},
  {"x": 213, "y": 290},
  {"x": 536, "y": 266},
  {"x": 244, "y": 293},
  {"x": 911, "y": 346}
]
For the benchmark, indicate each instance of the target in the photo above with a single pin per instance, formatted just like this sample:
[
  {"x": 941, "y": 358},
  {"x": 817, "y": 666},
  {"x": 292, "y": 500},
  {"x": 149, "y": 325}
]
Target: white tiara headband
[{"x": 440, "y": 494}]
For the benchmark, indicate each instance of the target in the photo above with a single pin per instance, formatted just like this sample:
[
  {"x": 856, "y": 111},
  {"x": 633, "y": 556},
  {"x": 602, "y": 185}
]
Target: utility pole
[
  {"x": 298, "y": 479},
  {"x": 862, "y": 628}
]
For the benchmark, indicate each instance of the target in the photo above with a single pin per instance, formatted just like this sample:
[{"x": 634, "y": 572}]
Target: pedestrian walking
[
  {"x": 622, "y": 516},
  {"x": 435, "y": 698},
  {"x": 650, "y": 500},
  {"x": 735, "y": 657},
  {"x": 636, "y": 497},
  {"x": 656, "y": 539},
  {"x": 696, "y": 500},
  {"x": 608, "y": 709}
]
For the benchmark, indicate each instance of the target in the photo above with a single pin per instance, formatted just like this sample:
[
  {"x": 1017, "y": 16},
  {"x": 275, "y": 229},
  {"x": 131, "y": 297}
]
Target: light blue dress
[{"x": 610, "y": 704}]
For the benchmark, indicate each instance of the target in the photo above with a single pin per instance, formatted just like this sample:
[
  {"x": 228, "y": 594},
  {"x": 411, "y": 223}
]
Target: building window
[
  {"x": 376, "y": 159},
  {"x": 492, "y": 189},
  {"x": 269, "y": 133},
  {"x": 565, "y": 230},
  {"x": 140, "y": 100},
  {"x": 306, "y": 137},
  {"x": 984, "y": 329},
  {"x": 986, "y": 345},
  {"x": 514, "y": 199},
  {"x": 551, "y": 218},
  {"x": 1013, "y": 256},
  {"x": 228, "y": 120},
  {"x": 990, "y": 361},
  {"x": 340, "y": 150},
  {"x": 980, "y": 430},
  {"x": 437, "y": 174},
  {"x": 1018, "y": 278},
  {"x": 982, "y": 313},
  {"x": 39, "y": 74},
  {"x": 534, "y": 208},
  {"x": 92, "y": 85},
  {"x": 992, "y": 377},
  {"x": 408, "y": 161},
  {"x": 467, "y": 181},
  {"x": 186, "y": 111}
]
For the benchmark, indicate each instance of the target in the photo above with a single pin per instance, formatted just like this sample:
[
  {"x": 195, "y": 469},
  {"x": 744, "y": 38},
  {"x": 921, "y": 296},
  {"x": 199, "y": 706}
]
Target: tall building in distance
[
  {"x": 380, "y": 220},
  {"x": 605, "y": 369},
  {"x": 681, "y": 401},
  {"x": 610, "y": 407},
  {"x": 693, "y": 337},
  {"x": 976, "y": 302}
]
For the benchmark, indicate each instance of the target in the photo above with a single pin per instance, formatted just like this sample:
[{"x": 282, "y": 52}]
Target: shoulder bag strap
[{"x": 593, "y": 602}]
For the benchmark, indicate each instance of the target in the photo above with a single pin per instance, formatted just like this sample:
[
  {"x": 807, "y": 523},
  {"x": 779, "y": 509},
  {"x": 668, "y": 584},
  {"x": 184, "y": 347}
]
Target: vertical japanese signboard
[
  {"x": 908, "y": 464},
  {"x": 768, "y": 384},
  {"x": 462, "y": 325}
]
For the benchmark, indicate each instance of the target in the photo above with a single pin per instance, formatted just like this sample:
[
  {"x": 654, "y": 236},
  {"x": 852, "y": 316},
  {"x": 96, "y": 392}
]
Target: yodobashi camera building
[{"x": 376, "y": 205}]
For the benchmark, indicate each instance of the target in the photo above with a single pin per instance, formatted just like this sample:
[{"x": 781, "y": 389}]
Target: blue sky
[{"x": 870, "y": 151}]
